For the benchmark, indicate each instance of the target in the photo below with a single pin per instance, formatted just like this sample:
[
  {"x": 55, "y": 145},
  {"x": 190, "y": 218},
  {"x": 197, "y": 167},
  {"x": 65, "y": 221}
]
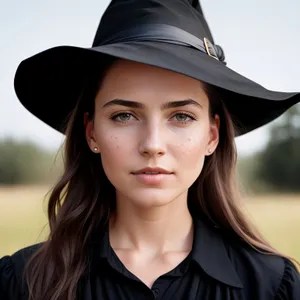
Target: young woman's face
[{"x": 147, "y": 117}]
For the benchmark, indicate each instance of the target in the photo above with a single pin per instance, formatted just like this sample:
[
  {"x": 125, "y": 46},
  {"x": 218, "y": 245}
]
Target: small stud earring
[
  {"x": 95, "y": 149},
  {"x": 209, "y": 151}
]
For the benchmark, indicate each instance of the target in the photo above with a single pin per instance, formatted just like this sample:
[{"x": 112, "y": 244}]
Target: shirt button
[{"x": 155, "y": 292}]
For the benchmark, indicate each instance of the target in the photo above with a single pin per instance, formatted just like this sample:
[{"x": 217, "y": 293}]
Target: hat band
[{"x": 165, "y": 34}]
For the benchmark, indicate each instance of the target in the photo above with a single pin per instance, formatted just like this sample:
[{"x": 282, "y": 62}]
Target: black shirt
[{"x": 219, "y": 267}]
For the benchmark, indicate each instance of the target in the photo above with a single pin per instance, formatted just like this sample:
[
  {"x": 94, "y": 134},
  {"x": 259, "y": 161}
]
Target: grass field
[{"x": 23, "y": 219}]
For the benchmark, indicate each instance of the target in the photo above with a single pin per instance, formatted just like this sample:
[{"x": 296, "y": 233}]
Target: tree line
[
  {"x": 23, "y": 162},
  {"x": 277, "y": 166}
]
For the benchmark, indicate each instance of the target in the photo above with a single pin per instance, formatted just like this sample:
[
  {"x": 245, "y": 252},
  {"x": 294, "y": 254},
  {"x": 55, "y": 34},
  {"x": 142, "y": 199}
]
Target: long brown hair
[{"x": 83, "y": 199}]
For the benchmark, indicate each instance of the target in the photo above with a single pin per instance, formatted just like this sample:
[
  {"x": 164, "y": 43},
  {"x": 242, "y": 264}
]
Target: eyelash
[{"x": 191, "y": 116}]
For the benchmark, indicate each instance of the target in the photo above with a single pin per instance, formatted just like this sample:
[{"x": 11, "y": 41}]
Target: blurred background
[{"x": 261, "y": 41}]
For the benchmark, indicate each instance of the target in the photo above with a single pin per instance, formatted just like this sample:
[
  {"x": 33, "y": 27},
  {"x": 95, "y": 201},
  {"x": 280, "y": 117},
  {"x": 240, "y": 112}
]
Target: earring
[
  {"x": 95, "y": 149},
  {"x": 209, "y": 151}
]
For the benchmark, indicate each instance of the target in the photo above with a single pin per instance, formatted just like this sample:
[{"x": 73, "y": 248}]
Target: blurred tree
[
  {"x": 247, "y": 168},
  {"x": 24, "y": 163},
  {"x": 279, "y": 163}
]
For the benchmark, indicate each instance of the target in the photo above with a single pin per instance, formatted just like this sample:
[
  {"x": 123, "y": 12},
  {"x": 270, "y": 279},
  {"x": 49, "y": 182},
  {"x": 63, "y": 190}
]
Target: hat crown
[{"x": 122, "y": 14}]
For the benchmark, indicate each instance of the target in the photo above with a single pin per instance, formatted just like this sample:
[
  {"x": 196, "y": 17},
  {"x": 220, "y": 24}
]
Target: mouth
[
  {"x": 152, "y": 171},
  {"x": 152, "y": 176}
]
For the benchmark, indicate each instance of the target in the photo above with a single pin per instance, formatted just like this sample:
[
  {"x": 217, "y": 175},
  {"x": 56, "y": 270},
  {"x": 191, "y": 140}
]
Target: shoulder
[
  {"x": 18, "y": 260},
  {"x": 269, "y": 276},
  {"x": 12, "y": 271}
]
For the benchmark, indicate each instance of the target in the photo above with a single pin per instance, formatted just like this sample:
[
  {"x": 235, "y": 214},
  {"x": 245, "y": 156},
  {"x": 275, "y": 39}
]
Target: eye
[
  {"x": 184, "y": 117},
  {"x": 121, "y": 117}
]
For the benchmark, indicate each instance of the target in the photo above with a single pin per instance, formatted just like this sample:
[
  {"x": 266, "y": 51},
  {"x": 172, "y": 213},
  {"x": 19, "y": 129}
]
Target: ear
[
  {"x": 89, "y": 133},
  {"x": 213, "y": 136}
]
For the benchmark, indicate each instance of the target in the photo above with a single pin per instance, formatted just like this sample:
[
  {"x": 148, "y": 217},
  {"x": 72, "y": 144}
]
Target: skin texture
[{"x": 145, "y": 231}]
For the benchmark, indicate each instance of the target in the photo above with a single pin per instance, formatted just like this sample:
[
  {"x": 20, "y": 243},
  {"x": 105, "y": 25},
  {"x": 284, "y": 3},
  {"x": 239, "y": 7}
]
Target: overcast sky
[{"x": 261, "y": 39}]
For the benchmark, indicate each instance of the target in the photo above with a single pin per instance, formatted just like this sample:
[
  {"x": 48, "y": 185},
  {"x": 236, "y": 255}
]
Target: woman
[{"x": 147, "y": 207}]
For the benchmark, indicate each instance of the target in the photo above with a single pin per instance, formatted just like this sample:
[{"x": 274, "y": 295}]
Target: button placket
[{"x": 155, "y": 292}]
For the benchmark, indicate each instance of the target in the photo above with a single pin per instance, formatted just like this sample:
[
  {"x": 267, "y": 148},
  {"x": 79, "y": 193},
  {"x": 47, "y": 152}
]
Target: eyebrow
[{"x": 164, "y": 106}]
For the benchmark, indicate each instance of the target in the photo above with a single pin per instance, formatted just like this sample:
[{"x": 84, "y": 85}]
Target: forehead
[{"x": 136, "y": 81}]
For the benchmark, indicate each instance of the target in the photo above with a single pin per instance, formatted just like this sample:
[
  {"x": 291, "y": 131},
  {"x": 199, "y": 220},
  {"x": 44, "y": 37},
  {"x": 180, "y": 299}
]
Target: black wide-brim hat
[{"x": 171, "y": 34}]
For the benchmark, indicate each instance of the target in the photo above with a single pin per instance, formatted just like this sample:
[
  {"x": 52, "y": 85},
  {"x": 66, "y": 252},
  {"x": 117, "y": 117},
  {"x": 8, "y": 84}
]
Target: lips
[
  {"x": 152, "y": 176},
  {"x": 152, "y": 171}
]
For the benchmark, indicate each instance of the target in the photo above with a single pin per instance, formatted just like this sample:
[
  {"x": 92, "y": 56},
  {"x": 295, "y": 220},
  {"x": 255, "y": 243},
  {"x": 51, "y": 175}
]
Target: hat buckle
[{"x": 210, "y": 49}]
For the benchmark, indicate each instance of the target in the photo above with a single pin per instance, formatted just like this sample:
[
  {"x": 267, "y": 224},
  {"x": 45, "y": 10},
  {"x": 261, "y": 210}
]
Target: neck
[{"x": 156, "y": 229}]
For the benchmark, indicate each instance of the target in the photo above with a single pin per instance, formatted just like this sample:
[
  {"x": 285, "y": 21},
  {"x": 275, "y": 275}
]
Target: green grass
[{"x": 23, "y": 219}]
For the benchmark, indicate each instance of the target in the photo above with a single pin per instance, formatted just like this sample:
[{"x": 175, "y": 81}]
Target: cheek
[
  {"x": 115, "y": 149},
  {"x": 108, "y": 139},
  {"x": 192, "y": 147},
  {"x": 190, "y": 157}
]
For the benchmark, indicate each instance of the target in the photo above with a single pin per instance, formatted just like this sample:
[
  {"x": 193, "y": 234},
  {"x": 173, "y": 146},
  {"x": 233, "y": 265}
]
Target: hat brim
[{"x": 48, "y": 84}]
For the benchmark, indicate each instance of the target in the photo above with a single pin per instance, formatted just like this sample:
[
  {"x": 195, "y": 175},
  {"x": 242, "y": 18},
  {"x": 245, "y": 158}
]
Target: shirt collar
[{"x": 209, "y": 252}]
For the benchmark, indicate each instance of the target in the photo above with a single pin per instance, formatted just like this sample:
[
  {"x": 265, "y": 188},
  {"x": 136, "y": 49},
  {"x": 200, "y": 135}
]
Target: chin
[{"x": 152, "y": 198}]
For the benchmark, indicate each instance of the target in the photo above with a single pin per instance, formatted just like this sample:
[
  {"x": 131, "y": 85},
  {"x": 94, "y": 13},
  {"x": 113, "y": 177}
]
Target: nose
[{"x": 153, "y": 141}]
